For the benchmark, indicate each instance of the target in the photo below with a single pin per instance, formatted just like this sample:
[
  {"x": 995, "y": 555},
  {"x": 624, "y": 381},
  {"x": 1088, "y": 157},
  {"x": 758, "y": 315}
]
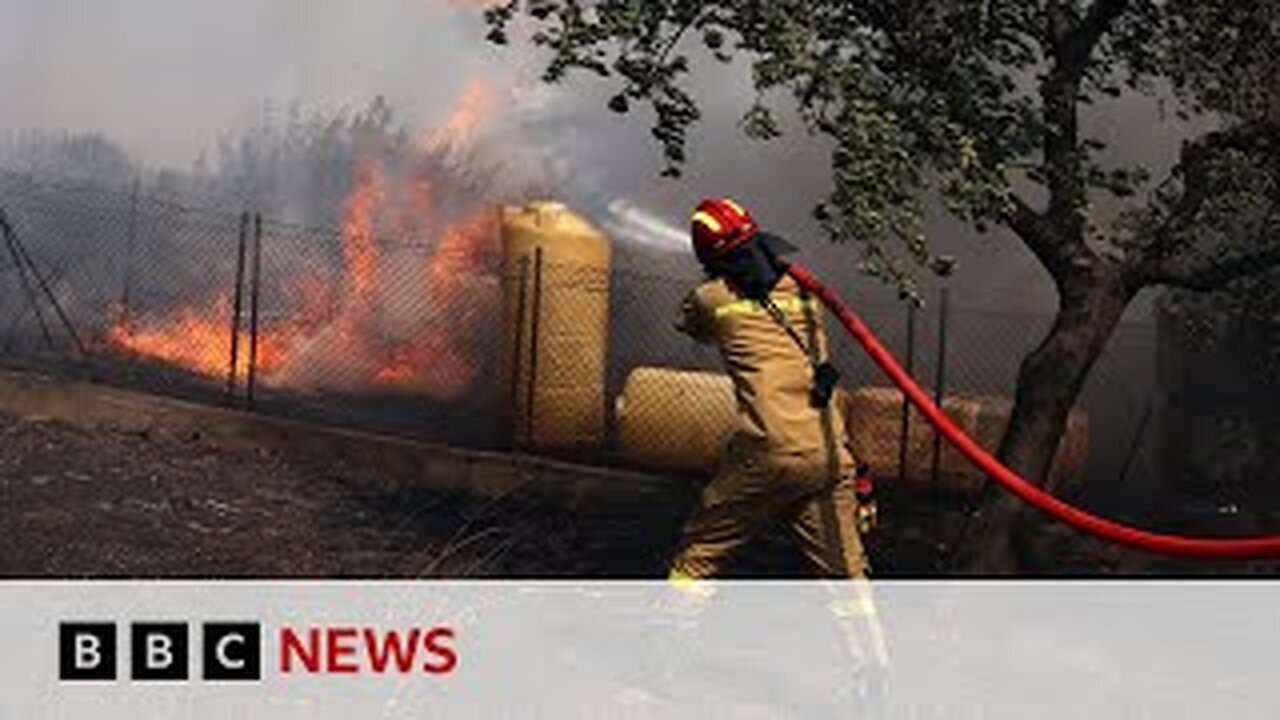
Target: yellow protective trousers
[{"x": 754, "y": 489}]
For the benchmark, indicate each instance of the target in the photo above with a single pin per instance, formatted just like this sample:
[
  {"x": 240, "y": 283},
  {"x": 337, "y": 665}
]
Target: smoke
[
  {"x": 167, "y": 80},
  {"x": 160, "y": 85}
]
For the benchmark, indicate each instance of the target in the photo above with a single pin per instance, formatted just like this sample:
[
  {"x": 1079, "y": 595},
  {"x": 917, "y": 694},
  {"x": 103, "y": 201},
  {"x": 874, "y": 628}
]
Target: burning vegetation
[{"x": 404, "y": 306}]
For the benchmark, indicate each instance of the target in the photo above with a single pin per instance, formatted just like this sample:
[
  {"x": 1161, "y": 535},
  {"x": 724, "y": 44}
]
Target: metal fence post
[
  {"x": 517, "y": 352},
  {"x": 904, "y": 439},
  {"x": 255, "y": 284},
  {"x": 20, "y": 255},
  {"x": 534, "y": 328},
  {"x": 131, "y": 239},
  {"x": 33, "y": 301},
  {"x": 235, "y": 311},
  {"x": 940, "y": 379}
]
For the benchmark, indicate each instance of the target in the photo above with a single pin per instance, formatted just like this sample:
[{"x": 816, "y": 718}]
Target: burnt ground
[
  {"x": 116, "y": 503},
  {"x": 76, "y": 503}
]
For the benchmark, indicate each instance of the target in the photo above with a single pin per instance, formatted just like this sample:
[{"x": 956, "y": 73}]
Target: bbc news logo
[
  {"x": 233, "y": 652},
  {"x": 160, "y": 651}
]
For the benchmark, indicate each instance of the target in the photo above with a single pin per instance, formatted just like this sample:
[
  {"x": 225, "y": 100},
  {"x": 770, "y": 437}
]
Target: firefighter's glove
[
  {"x": 825, "y": 379},
  {"x": 867, "y": 513},
  {"x": 693, "y": 322}
]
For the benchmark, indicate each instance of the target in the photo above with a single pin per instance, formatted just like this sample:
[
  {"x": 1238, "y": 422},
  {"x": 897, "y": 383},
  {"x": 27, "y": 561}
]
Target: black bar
[
  {"x": 126, "y": 293},
  {"x": 904, "y": 440},
  {"x": 517, "y": 352},
  {"x": 235, "y": 312},
  {"x": 255, "y": 284},
  {"x": 534, "y": 327},
  {"x": 940, "y": 379}
]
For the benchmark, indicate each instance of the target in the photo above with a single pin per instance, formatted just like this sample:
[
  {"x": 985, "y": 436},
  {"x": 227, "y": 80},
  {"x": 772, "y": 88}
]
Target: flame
[
  {"x": 199, "y": 340},
  {"x": 441, "y": 361},
  {"x": 345, "y": 333},
  {"x": 359, "y": 233},
  {"x": 474, "y": 106},
  {"x": 436, "y": 369},
  {"x": 462, "y": 248},
  {"x": 385, "y": 318},
  {"x": 416, "y": 219}
]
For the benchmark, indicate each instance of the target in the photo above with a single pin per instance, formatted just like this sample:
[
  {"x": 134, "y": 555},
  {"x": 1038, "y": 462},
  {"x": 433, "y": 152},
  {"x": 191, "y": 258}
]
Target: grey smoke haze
[{"x": 166, "y": 79}]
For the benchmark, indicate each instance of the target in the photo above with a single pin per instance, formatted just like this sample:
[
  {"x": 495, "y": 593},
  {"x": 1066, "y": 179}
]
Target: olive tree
[{"x": 979, "y": 102}]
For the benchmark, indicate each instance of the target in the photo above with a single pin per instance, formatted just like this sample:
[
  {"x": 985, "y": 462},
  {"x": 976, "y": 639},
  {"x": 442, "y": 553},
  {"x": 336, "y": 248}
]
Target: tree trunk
[{"x": 1049, "y": 382}]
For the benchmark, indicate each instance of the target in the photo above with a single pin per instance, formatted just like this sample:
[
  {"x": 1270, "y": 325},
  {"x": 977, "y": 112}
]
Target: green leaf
[{"x": 619, "y": 103}]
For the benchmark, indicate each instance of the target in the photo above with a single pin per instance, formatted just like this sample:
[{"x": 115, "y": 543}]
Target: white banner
[{"x": 639, "y": 649}]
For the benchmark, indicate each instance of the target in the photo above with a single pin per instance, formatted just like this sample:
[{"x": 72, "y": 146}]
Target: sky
[{"x": 164, "y": 79}]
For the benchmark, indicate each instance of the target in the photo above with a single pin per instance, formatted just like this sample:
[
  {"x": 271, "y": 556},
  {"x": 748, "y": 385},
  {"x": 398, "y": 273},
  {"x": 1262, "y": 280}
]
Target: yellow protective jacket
[{"x": 772, "y": 376}]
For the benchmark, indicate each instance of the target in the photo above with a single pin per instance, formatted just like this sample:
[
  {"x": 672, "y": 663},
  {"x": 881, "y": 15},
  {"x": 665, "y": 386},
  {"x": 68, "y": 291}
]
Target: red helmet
[{"x": 719, "y": 226}]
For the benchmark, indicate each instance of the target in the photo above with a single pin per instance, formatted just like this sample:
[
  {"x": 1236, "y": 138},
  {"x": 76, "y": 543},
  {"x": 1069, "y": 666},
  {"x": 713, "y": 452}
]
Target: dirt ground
[
  {"x": 114, "y": 503},
  {"x": 75, "y": 503}
]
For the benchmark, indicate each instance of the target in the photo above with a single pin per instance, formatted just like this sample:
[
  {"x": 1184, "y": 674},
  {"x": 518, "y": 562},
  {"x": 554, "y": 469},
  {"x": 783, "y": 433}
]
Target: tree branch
[
  {"x": 1072, "y": 49},
  {"x": 1056, "y": 16},
  {"x": 1158, "y": 261},
  {"x": 1208, "y": 276},
  {"x": 1077, "y": 46},
  {"x": 1032, "y": 228}
]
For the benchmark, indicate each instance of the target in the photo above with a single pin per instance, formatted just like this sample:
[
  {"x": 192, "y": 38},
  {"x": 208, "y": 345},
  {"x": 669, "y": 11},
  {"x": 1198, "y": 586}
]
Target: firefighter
[{"x": 787, "y": 459}]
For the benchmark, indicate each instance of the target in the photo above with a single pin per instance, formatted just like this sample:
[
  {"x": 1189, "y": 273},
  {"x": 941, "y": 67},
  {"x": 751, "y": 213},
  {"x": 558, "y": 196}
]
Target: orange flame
[
  {"x": 361, "y": 330},
  {"x": 359, "y": 233},
  {"x": 439, "y": 361},
  {"x": 337, "y": 338},
  {"x": 199, "y": 340},
  {"x": 476, "y": 103}
]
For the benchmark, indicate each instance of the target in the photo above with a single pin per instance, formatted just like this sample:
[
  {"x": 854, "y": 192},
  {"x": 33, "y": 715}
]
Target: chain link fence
[{"x": 437, "y": 337}]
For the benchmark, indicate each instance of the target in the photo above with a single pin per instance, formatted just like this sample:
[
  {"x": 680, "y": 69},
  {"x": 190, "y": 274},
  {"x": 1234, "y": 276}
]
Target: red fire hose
[{"x": 1198, "y": 547}]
